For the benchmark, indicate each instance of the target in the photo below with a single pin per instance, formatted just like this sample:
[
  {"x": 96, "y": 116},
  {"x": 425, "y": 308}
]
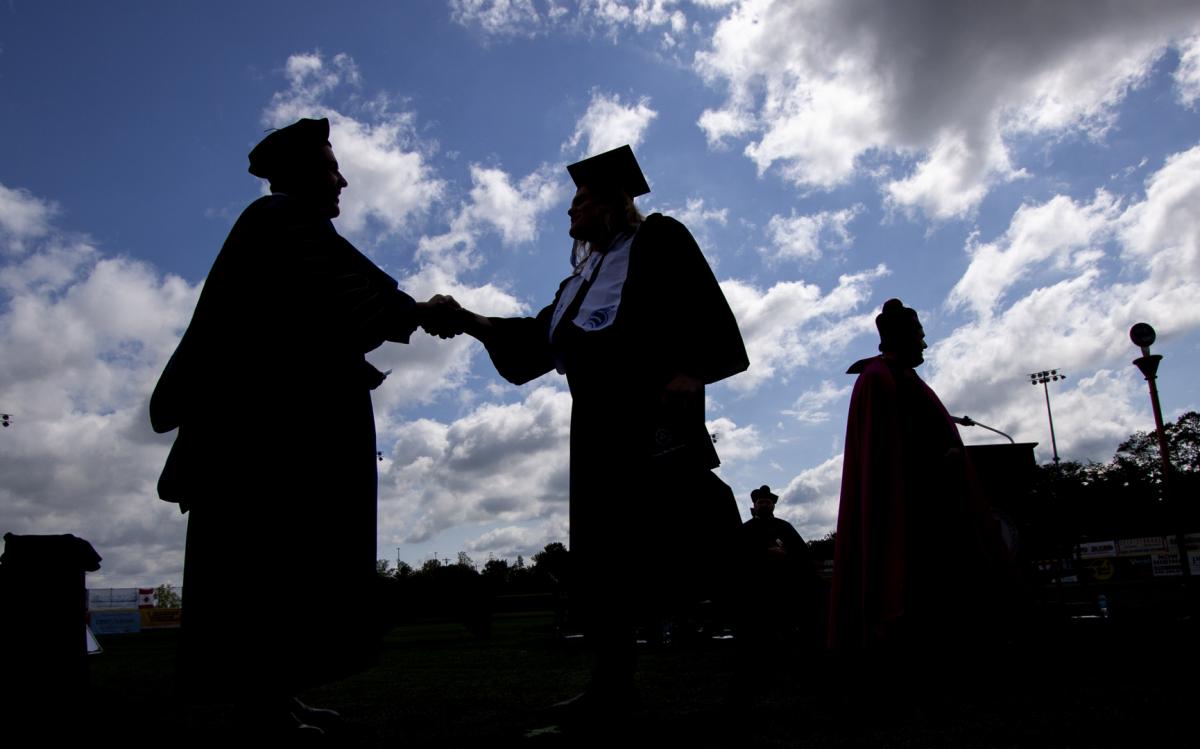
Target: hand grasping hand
[{"x": 441, "y": 316}]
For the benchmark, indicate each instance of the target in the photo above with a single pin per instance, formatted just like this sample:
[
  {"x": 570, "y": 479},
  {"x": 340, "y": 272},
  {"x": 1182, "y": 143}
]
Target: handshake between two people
[{"x": 444, "y": 317}]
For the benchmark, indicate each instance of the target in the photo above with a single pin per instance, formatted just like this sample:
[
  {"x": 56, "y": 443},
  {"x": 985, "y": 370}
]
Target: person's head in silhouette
[
  {"x": 298, "y": 161},
  {"x": 603, "y": 203},
  {"x": 901, "y": 337},
  {"x": 763, "y": 502}
]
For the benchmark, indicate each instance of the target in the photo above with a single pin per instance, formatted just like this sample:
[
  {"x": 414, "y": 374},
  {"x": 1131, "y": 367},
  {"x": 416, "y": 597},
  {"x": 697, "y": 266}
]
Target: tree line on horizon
[{"x": 1125, "y": 496}]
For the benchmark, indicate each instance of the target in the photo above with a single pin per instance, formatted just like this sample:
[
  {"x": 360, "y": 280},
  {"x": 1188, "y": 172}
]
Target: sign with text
[
  {"x": 1132, "y": 547},
  {"x": 159, "y": 618},
  {"x": 1098, "y": 550}
]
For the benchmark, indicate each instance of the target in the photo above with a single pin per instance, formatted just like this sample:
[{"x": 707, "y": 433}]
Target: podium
[{"x": 1006, "y": 474}]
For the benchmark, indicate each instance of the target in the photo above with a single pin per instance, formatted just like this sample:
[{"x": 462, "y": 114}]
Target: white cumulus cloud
[
  {"x": 823, "y": 91},
  {"x": 502, "y": 18},
  {"x": 805, "y": 237},
  {"x": 609, "y": 123},
  {"x": 84, "y": 337},
  {"x": 502, "y": 463},
  {"x": 1187, "y": 74},
  {"x": 510, "y": 541},
  {"x": 392, "y": 184},
  {"x": 1060, "y": 289},
  {"x": 810, "y": 500},
  {"x": 498, "y": 204},
  {"x": 22, "y": 217},
  {"x": 811, "y": 407},
  {"x": 509, "y": 19},
  {"x": 735, "y": 443},
  {"x": 1059, "y": 234},
  {"x": 792, "y": 323}
]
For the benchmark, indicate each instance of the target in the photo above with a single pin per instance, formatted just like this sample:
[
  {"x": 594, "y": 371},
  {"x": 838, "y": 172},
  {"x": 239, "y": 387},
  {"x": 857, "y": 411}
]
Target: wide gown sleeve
[
  {"x": 351, "y": 297},
  {"x": 284, "y": 282},
  {"x": 699, "y": 334},
  {"x": 520, "y": 346}
]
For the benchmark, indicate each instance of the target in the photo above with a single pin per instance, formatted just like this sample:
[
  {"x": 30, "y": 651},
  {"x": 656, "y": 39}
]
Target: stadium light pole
[{"x": 1041, "y": 378}]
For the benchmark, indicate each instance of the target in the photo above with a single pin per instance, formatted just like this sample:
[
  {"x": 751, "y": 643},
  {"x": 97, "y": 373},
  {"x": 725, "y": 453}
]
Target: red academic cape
[{"x": 909, "y": 550}]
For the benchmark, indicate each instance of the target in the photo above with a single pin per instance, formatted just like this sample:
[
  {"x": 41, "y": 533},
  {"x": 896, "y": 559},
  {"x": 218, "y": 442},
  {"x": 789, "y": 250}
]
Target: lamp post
[
  {"x": 1041, "y": 378},
  {"x": 1143, "y": 336}
]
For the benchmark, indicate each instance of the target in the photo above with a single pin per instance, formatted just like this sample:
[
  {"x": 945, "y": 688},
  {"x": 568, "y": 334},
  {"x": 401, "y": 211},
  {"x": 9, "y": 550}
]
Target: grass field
[{"x": 1071, "y": 685}]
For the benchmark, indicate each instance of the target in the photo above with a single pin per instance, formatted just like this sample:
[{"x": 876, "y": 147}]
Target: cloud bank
[{"x": 828, "y": 91}]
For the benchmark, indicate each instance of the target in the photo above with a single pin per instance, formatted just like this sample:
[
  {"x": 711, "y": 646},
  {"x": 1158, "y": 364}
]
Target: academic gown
[
  {"x": 275, "y": 456},
  {"x": 639, "y": 521},
  {"x": 779, "y": 592},
  {"x": 909, "y": 555}
]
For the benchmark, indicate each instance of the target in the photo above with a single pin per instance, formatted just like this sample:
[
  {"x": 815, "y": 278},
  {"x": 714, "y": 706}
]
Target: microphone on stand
[{"x": 967, "y": 421}]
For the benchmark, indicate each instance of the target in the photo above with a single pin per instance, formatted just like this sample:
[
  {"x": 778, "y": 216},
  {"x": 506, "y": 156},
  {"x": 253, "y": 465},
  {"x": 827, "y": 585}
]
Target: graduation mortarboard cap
[
  {"x": 616, "y": 168},
  {"x": 283, "y": 148}
]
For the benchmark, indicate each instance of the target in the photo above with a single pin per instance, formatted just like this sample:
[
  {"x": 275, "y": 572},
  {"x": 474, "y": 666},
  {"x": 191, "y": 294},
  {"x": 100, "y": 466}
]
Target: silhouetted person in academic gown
[
  {"x": 778, "y": 580},
  {"x": 275, "y": 455},
  {"x": 909, "y": 566},
  {"x": 776, "y": 616},
  {"x": 639, "y": 328}
]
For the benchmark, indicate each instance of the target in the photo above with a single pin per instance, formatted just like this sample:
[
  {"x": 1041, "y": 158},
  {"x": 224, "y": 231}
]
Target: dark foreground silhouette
[
  {"x": 436, "y": 685},
  {"x": 274, "y": 459},
  {"x": 638, "y": 328},
  {"x": 909, "y": 501}
]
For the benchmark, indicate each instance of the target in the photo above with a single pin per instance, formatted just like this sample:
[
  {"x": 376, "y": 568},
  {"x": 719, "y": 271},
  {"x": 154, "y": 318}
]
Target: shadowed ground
[{"x": 1086, "y": 683}]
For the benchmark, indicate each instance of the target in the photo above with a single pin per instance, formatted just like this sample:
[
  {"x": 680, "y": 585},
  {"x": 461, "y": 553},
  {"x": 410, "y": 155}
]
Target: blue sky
[{"x": 1025, "y": 174}]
